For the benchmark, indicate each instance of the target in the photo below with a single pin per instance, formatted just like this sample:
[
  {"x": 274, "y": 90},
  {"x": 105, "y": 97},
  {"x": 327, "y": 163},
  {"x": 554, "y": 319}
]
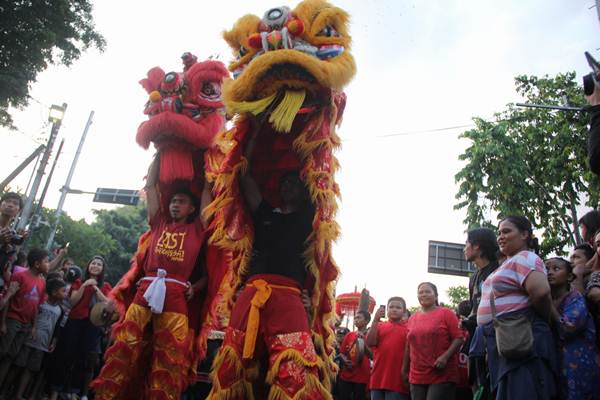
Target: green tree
[
  {"x": 414, "y": 309},
  {"x": 84, "y": 240},
  {"x": 113, "y": 235},
  {"x": 531, "y": 162},
  {"x": 36, "y": 33},
  {"x": 124, "y": 226},
  {"x": 456, "y": 294}
]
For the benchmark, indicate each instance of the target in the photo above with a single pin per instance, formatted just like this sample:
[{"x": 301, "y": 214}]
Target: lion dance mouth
[{"x": 289, "y": 71}]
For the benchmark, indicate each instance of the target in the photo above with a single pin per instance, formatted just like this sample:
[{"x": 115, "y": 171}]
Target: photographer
[
  {"x": 594, "y": 139},
  {"x": 10, "y": 206}
]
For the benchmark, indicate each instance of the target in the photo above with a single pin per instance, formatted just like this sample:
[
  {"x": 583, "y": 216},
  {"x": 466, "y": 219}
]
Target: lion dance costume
[
  {"x": 289, "y": 71},
  {"x": 160, "y": 337}
]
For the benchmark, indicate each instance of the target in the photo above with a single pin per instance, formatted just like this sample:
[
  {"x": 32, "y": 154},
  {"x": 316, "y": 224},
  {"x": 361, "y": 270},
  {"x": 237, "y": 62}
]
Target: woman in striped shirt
[{"x": 519, "y": 286}]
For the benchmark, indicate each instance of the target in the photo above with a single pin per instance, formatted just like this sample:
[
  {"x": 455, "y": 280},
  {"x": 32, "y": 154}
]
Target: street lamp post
[
  {"x": 66, "y": 188},
  {"x": 56, "y": 116}
]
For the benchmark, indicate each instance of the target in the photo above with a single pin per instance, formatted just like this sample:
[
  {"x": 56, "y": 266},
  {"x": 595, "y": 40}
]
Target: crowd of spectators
[
  {"x": 529, "y": 329},
  {"x": 49, "y": 347}
]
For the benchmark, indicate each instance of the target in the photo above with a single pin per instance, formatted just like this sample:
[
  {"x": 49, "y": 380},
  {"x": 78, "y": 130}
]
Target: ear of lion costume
[
  {"x": 289, "y": 71},
  {"x": 157, "y": 347}
]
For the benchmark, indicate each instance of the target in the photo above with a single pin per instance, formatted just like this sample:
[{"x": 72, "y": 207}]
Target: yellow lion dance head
[{"x": 288, "y": 61}]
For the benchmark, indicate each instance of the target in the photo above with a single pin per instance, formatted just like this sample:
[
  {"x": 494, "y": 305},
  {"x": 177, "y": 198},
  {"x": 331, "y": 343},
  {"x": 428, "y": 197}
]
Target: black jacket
[{"x": 594, "y": 139}]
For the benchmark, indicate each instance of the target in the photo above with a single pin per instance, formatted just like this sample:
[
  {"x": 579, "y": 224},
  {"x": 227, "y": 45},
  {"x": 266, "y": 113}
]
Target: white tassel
[{"x": 155, "y": 294}]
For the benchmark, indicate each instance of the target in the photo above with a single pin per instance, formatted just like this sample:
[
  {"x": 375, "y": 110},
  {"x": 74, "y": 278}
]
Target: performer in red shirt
[
  {"x": 388, "y": 342},
  {"x": 356, "y": 370},
  {"x": 434, "y": 339},
  {"x": 161, "y": 298}
]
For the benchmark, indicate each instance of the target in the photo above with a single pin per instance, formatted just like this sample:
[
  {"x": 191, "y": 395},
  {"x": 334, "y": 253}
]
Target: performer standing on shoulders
[
  {"x": 161, "y": 299},
  {"x": 269, "y": 313}
]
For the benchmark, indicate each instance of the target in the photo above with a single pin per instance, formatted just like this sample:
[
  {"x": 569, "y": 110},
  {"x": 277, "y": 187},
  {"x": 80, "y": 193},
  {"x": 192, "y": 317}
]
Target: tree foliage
[
  {"x": 531, "y": 162},
  {"x": 456, "y": 294},
  {"x": 85, "y": 240},
  {"x": 35, "y": 33},
  {"x": 124, "y": 226},
  {"x": 113, "y": 235}
]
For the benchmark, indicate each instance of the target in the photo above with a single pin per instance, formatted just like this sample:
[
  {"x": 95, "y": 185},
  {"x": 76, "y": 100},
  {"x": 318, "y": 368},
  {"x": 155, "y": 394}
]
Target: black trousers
[{"x": 351, "y": 390}]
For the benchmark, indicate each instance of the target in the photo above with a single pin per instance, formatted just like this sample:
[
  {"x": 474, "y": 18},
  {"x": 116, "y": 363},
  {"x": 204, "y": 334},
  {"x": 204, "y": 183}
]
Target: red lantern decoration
[{"x": 348, "y": 303}]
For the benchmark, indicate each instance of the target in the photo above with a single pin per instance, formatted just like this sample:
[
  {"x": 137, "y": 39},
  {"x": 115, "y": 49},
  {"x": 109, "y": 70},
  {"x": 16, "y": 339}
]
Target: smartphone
[{"x": 382, "y": 308}]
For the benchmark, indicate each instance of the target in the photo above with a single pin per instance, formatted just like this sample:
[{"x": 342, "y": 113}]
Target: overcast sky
[{"x": 422, "y": 65}]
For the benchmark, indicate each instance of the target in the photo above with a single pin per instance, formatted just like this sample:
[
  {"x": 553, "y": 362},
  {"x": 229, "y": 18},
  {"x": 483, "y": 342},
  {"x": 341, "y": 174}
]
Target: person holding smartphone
[{"x": 387, "y": 340}]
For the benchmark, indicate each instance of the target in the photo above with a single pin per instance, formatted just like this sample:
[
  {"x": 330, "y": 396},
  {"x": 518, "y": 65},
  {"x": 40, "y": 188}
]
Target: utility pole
[
  {"x": 56, "y": 116},
  {"x": 65, "y": 189},
  {"x": 21, "y": 167},
  {"x": 35, "y": 218}
]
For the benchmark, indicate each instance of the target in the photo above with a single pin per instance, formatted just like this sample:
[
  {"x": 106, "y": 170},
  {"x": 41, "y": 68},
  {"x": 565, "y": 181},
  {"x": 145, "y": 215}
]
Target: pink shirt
[{"x": 507, "y": 281}]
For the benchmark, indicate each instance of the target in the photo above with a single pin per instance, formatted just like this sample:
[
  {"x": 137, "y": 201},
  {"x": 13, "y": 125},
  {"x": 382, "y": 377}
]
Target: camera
[
  {"x": 16, "y": 239},
  {"x": 73, "y": 274},
  {"x": 591, "y": 80}
]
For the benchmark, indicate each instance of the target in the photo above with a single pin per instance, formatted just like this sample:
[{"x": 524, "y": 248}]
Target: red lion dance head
[{"x": 185, "y": 113}]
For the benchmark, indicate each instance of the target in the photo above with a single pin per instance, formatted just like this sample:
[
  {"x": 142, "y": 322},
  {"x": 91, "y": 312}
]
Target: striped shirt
[{"x": 507, "y": 281}]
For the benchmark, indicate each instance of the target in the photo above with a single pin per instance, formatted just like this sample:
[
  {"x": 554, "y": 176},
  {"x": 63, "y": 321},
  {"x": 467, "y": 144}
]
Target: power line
[{"x": 426, "y": 131}]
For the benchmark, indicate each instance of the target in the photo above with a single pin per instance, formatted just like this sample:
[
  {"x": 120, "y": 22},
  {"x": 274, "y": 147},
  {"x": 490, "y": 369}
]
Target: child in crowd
[
  {"x": 340, "y": 334},
  {"x": 32, "y": 354},
  {"x": 580, "y": 257},
  {"x": 18, "y": 318},
  {"x": 577, "y": 352},
  {"x": 388, "y": 341},
  {"x": 355, "y": 372},
  {"x": 463, "y": 387}
]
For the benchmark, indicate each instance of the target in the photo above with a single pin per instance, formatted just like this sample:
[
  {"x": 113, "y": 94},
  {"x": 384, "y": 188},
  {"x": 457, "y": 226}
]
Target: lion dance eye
[
  {"x": 243, "y": 51},
  {"x": 208, "y": 89},
  {"x": 328, "y": 31}
]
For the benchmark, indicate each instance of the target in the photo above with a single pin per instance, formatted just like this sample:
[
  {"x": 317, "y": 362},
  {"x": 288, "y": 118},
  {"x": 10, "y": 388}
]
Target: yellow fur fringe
[
  {"x": 312, "y": 385},
  {"x": 254, "y": 107},
  {"x": 242, "y": 389},
  {"x": 283, "y": 116},
  {"x": 289, "y": 354}
]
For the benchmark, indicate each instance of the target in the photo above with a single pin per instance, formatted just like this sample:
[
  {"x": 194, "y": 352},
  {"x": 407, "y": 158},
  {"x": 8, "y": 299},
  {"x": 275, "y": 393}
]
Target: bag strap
[{"x": 492, "y": 298}]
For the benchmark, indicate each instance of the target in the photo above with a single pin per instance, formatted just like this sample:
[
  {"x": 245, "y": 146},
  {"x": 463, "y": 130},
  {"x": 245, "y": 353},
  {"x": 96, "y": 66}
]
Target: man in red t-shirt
[
  {"x": 388, "y": 342},
  {"x": 18, "y": 318},
  {"x": 161, "y": 298},
  {"x": 356, "y": 369}
]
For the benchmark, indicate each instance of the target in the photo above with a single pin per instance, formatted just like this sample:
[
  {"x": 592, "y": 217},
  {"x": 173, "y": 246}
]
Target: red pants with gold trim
[
  {"x": 170, "y": 343},
  {"x": 283, "y": 333}
]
